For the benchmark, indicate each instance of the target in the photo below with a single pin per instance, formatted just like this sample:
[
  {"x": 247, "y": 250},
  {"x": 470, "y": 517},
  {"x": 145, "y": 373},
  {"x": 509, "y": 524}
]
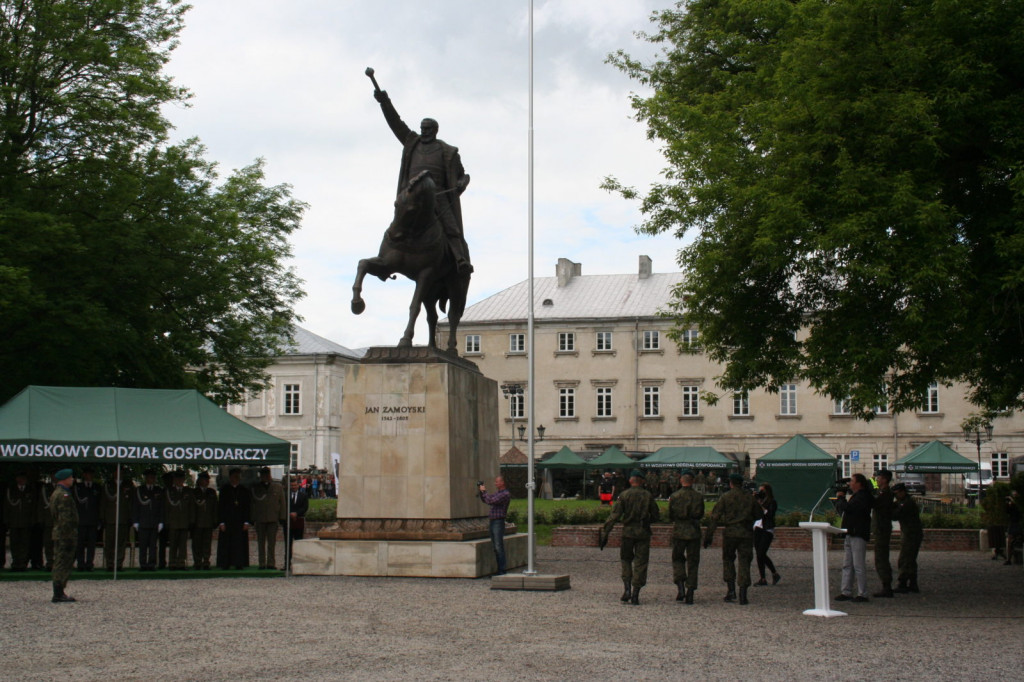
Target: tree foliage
[
  {"x": 851, "y": 170},
  {"x": 123, "y": 261}
]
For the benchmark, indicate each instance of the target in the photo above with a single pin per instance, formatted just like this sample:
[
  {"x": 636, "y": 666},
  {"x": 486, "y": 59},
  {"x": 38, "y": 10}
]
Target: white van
[{"x": 971, "y": 480}]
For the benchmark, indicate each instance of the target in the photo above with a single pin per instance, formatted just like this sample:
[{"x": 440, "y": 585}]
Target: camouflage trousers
[
  {"x": 63, "y": 559},
  {"x": 685, "y": 561},
  {"x": 733, "y": 549},
  {"x": 882, "y": 565},
  {"x": 909, "y": 547},
  {"x": 635, "y": 555}
]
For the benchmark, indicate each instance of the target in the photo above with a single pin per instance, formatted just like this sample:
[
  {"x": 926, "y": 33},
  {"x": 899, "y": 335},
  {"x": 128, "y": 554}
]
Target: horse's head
[{"x": 414, "y": 207}]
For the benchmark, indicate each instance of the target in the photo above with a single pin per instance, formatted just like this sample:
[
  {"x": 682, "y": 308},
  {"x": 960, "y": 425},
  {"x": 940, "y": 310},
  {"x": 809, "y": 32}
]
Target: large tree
[
  {"x": 123, "y": 259},
  {"x": 851, "y": 171}
]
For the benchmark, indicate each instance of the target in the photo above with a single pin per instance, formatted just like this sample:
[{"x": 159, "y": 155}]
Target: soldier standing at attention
[
  {"x": 906, "y": 512},
  {"x": 637, "y": 510},
  {"x": 148, "y": 519},
  {"x": 685, "y": 510},
  {"x": 736, "y": 510},
  {"x": 87, "y": 497},
  {"x": 64, "y": 513},
  {"x": 116, "y": 511},
  {"x": 268, "y": 511},
  {"x": 20, "y": 510},
  {"x": 881, "y": 522},
  {"x": 205, "y": 505},
  {"x": 178, "y": 516},
  {"x": 234, "y": 513}
]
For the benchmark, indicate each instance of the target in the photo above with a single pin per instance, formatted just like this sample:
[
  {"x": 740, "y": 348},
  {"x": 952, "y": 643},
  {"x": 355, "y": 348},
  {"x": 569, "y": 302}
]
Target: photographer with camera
[
  {"x": 764, "y": 533},
  {"x": 856, "y": 512},
  {"x": 498, "y": 502}
]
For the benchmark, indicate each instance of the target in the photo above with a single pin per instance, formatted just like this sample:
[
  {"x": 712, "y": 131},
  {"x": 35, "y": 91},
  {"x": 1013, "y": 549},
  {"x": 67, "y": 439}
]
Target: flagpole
[{"x": 531, "y": 486}]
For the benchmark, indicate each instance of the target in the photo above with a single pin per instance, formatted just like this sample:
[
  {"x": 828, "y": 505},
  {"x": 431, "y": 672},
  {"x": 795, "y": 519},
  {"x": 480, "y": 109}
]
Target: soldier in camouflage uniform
[
  {"x": 64, "y": 513},
  {"x": 881, "y": 527},
  {"x": 116, "y": 512},
  {"x": 685, "y": 510},
  {"x": 179, "y": 514},
  {"x": 269, "y": 509},
  {"x": 736, "y": 510},
  {"x": 205, "y": 505},
  {"x": 637, "y": 510}
]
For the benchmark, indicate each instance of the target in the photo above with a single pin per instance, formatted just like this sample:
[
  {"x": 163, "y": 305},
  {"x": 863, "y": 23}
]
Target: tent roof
[
  {"x": 934, "y": 458},
  {"x": 564, "y": 459},
  {"x": 126, "y": 425},
  {"x": 798, "y": 451},
  {"x": 701, "y": 457},
  {"x": 612, "y": 458}
]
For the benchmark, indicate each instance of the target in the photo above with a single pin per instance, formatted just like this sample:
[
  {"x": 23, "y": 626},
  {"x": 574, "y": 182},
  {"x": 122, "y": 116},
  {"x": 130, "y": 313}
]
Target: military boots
[
  {"x": 886, "y": 591},
  {"x": 689, "y": 595},
  {"x": 901, "y": 587},
  {"x": 743, "y": 596},
  {"x": 635, "y": 599},
  {"x": 731, "y": 594},
  {"x": 58, "y": 593},
  {"x": 681, "y": 591},
  {"x": 626, "y": 595}
]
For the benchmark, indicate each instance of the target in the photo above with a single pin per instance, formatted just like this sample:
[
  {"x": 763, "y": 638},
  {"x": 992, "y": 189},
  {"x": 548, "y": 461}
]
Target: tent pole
[{"x": 117, "y": 519}]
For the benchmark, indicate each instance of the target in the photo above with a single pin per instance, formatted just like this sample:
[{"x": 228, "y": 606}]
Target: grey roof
[
  {"x": 308, "y": 343},
  {"x": 584, "y": 296}
]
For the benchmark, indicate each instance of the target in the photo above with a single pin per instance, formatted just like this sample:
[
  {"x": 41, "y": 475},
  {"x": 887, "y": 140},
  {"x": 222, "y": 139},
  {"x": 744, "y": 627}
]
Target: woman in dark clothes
[{"x": 764, "y": 532}]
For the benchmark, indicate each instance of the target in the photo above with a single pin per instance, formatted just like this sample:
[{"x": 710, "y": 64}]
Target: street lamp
[
  {"x": 540, "y": 433},
  {"x": 977, "y": 429},
  {"x": 510, "y": 391}
]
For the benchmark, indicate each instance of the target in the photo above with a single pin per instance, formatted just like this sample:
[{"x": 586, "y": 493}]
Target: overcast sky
[{"x": 285, "y": 81}]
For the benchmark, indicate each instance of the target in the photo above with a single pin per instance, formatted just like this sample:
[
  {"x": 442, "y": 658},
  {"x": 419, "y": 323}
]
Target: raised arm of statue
[{"x": 397, "y": 125}]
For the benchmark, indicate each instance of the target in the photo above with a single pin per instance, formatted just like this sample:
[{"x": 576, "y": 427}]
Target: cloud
[{"x": 284, "y": 81}]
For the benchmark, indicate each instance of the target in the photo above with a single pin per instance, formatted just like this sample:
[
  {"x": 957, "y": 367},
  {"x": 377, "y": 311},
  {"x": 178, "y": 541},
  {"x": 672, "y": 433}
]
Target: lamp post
[
  {"x": 510, "y": 391},
  {"x": 540, "y": 433},
  {"x": 977, "y": 429}
]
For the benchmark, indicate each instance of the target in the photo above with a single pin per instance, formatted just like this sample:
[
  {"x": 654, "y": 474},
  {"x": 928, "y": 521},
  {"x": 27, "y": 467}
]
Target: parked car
[
  {"x": 914, "y": 482},
  {"x": 971, "y": 479}
]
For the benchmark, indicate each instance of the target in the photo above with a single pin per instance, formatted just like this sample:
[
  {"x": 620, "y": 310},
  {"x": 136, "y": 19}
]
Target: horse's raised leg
[{"x": 358, "y": 305}]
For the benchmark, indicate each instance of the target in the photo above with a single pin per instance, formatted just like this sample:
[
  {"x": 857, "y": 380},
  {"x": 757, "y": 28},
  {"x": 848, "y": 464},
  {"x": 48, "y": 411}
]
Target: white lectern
[{"x": 820, "y": 540}]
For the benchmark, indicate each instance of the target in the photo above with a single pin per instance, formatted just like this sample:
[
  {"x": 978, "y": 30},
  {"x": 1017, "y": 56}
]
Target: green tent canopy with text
[
  {"x": 129, "y": 426},
  {"x": 799, "y": 473}
]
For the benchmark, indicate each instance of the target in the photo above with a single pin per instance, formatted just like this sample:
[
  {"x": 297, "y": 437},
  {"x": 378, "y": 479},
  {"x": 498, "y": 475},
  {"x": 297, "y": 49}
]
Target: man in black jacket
[
  {"x": 856, "y": 513},
  {"x": 295, "y": 525}
]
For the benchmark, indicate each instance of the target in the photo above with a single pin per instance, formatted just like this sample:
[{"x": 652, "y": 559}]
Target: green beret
[
  {"x": 686, "y": 472},
  {"x": 62, "y": 474},
  {"x": 736, "y": 478},
  {"x": 637, "y": 473}
]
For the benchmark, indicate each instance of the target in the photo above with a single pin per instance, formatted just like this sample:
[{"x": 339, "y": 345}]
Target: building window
[
  {"x": 841, "y": 406},
  {"x": 292, "y": 405},
  {"x": 604, "y": 341},
  {"x": 931, "y": 400},
  {"x": 787, "y": 399},
  {"x": 845, "y": 464},
  {"x": 566, "y": 342},
  {"x": 294, "y": 455},
  {"x": 690, "y": 338},
  {"x": 882, "y": 409},
  {"x": 472, "y": 343},
  {"x": 604, "y": 401},
  {"x": 691, "y": 401},
  {"x": 566, "y": 403},
  {"x": 879, "y": 462},
  {"x": 517, "y": 406},
  {"x": 652, "y": 401},
  {"x": 652, "y": 340},
  {"x": 517, "y": 343},
  {"x": 740, "y": 404},
  {"x": 1000, "y": 465}
]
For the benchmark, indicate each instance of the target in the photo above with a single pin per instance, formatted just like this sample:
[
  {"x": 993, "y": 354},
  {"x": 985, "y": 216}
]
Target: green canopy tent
[
  {"x": 612, "y": 458},
  {"x": 687, "y": 457},
  {"x": 70, "y": 426},
  {"x": 564, "y": 459},
  {"x": 934, "y": 458},
  {"x": 799, "y": 473}
]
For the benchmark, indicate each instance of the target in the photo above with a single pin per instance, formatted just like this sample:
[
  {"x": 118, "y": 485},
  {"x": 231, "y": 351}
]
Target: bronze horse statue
[{"x": 415, "y": 245}]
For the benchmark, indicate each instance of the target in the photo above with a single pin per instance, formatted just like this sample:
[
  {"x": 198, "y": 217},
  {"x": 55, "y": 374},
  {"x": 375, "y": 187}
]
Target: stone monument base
[{"x": 405, "y": 558}]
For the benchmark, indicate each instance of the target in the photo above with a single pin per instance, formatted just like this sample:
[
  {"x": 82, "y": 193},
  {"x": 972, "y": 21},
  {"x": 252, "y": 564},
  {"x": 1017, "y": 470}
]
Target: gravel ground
[{"x": 967, "y": 624}]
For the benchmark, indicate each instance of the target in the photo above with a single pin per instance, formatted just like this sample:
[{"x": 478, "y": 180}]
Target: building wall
[
  {"x": 627, "y": 368},
  {"x": 315, "y": 430}
]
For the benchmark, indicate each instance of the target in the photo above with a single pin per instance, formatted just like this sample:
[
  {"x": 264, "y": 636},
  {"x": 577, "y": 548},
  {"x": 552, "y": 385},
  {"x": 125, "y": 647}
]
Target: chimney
[
  {"x": 645, "y": 267},
  {"x": 565, "y": 270}
]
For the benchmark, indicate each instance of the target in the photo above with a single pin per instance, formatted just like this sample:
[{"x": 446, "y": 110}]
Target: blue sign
[{"x": 854, "y": 455}]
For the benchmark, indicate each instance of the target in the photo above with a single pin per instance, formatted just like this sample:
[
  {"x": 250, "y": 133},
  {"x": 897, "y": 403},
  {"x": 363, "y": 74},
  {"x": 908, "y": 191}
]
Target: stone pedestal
[{"x": 419, "y": 430}]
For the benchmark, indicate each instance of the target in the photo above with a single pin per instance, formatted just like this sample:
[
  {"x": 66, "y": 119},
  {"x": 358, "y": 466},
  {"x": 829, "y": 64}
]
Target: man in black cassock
[{"x": 234, "y": 508}]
